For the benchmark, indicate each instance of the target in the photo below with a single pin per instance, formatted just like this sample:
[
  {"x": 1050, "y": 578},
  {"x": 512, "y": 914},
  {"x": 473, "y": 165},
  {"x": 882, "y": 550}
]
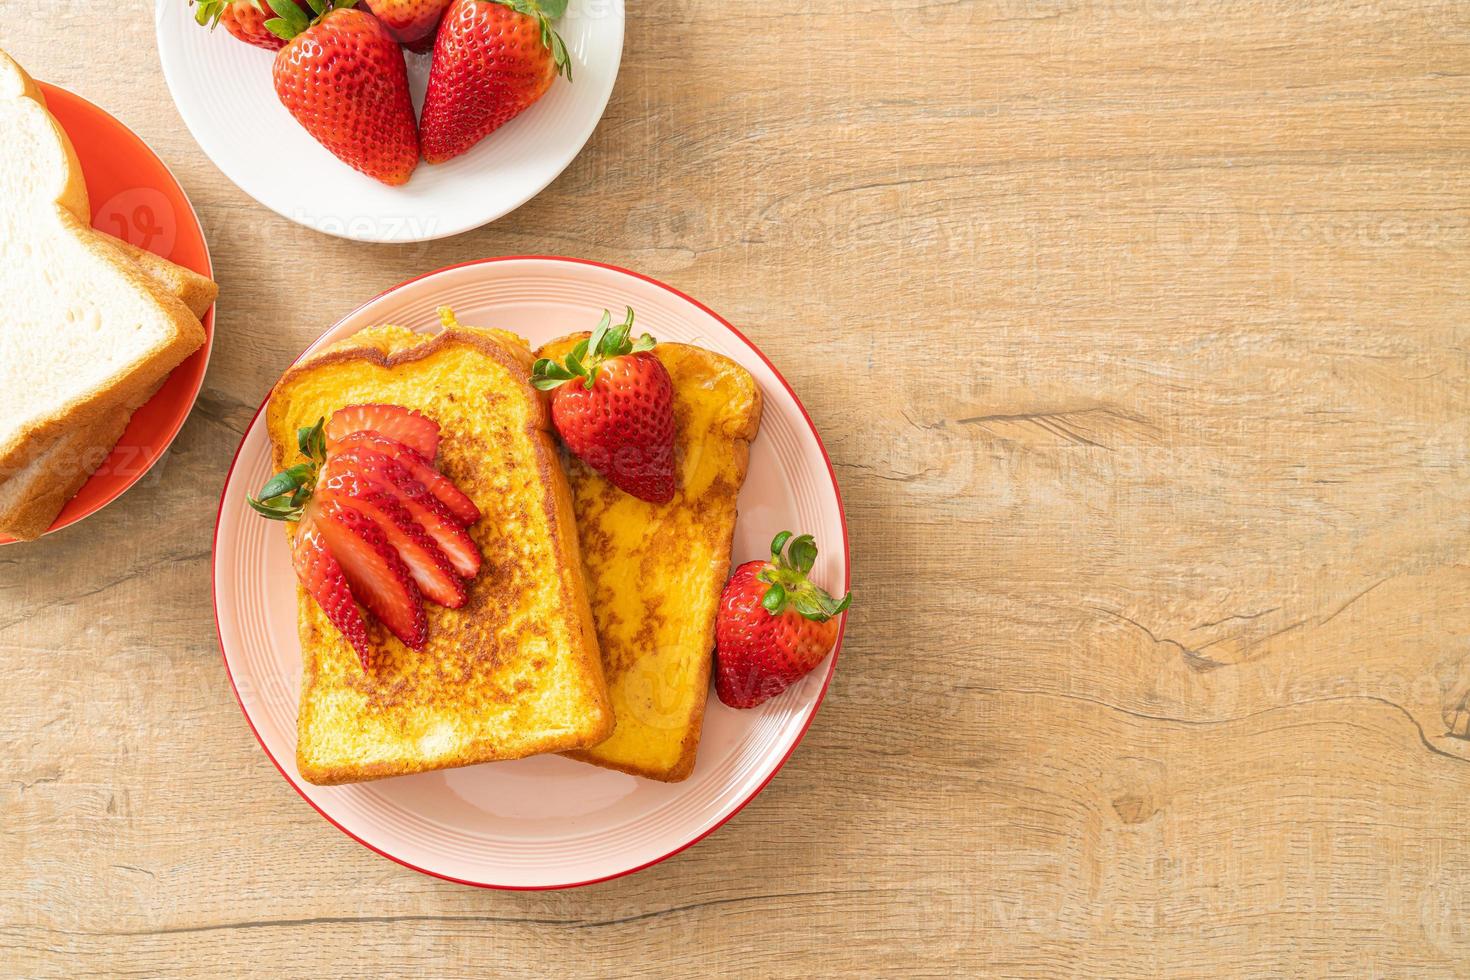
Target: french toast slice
[
  {"x": 516, "y": 670},
  {"x": 655, "y": 571}
]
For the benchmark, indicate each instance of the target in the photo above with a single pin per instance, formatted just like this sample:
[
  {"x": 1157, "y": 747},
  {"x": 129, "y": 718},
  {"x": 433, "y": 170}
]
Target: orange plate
[{"x": 135, "y": 197}]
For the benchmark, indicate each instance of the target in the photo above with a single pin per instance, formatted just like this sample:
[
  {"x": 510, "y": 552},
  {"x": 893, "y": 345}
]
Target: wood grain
[{"x": 1138, "y": 334}]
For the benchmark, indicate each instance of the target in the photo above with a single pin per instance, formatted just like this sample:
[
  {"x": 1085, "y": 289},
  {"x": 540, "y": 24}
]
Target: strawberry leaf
[
  {"x": 287, "y": 481},
  {"x": 276, "y": 511},
  {"x": 553, "y": 9},
  {"x": 595, "y": 342},
  {"x": 284, "y": 495},
  {"x": 560, "y": 56},
  {"x": 802, "y": 554},
  {"x": 774, "y": 600},
  {"x": 312, "y": 440},
  {"x": 293, "y": 18},
  {"x": 208, "y": 13},
  {"x": 810, "y": 606},
  {"x": 546, "y": 367},
  {"x": 616, "y": 342},
  {"x": 574, "y": 362},
  {"x": 643, "y": 343},
  {"x": 778, "y": 545},
  {"x": 546, "y": 374}
]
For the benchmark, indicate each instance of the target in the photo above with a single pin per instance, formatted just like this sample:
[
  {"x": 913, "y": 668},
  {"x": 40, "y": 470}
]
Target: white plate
[
  {"x": 223, "y": 89},
  {"x": 545, "y": 822}
]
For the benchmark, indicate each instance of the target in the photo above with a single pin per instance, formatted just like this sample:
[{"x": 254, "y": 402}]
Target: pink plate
[{"x": 545, "y": 822}]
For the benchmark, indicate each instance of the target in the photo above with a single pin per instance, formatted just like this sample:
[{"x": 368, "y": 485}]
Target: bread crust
[
  {"x": 586, "y": 660},
  {"x": 195, "y": 290}
]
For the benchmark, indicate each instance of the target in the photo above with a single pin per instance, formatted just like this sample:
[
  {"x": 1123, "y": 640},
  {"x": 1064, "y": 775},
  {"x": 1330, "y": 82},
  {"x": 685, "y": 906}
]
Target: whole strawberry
[
  {"x": 613, "y": 405},
  {"x": 492, "y": 59},
  {"x": 773, "y": 624},
  {"x": 412, "y": 22},
  {"x": 245, "y": 19},
  {"x": 341, "y": 75}
]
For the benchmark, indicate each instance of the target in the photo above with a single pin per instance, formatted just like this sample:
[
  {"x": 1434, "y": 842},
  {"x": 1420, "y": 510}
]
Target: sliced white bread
[
  {"x": 31, "y": 499},
  {"x": 93, "y": 325},
  {"x": 193, "y": 289}
]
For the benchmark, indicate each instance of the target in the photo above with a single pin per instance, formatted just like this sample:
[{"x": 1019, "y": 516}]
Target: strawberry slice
[
  {"x": 323, "y": 580},
  {"x": 461, "y": 506},
  {"x": 419, "y": 433},
  {"x": 426, "y": 561},
  {"x": 379, "y": 578},
  {"x": 422, "y": 505}
]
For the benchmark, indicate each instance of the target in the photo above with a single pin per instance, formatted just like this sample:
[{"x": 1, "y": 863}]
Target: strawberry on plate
[
  {"x": 244, "y": 19},
  {"x": 492, "y": 60},
  {"x": 412, "y": 22},
  {"x": 411, "y": 428},
  {"x": 323, "y": 580},
  {"x": 379, "y": 578},
  {"x": 773, "y": 624},
  {"x": 454, "y": 500},
  {"x": 342, "y": 76},
  {"x": 613, "y": 406},
  {"x": 426, "y": 561},
  {"x": 392, "y": 478},
  {"x": 370, "y": 530}
]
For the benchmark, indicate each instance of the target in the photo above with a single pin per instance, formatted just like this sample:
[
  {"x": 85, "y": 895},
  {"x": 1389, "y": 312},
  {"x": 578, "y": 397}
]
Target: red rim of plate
[
  {"x": 50, "y": 91},
  {"x": 816, "y": 706}
]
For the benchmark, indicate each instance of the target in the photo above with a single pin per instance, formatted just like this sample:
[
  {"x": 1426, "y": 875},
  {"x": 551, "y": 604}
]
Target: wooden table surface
[{"x": 1139, "y": 335}]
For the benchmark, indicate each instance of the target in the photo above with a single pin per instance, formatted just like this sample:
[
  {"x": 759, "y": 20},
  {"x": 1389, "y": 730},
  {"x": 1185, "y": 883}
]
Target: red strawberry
[
  {"x": 245, "y": 19},
  {"x": 341, "y": 75},
  {"x": 392, "y": 421},
  {"x": 371, "y": 531},
  {"x": 323, "y": 579},
  {"x": 454, "y": 499},
  {"x": 426, "y": 562},
  {"x": 412, "y": 22},
  {"x": 773, "y": 624},
  {"x": 422, "y": 505},
  {"x": 492, "y": 60},
  {"x": 613, "y": 404},
  {"x": 379, "y": 578}
]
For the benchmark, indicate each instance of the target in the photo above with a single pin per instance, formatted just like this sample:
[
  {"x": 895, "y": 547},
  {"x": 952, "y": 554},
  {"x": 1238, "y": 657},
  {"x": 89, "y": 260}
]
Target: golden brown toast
[
  {"x": 655, "y": 571},
  {"x": 514, "y": 672}
]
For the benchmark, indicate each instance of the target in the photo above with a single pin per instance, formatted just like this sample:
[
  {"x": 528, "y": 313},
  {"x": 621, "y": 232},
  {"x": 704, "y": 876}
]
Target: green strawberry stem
[
  {"x": 208, "y": 12},
  {"x": 582, "y": 362},
  {"x": 792, "y": 559},
  {"x": 290, "y": 20},
  {"x": 544, "y": 12},
  {"x": 284, "y": 496}
]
